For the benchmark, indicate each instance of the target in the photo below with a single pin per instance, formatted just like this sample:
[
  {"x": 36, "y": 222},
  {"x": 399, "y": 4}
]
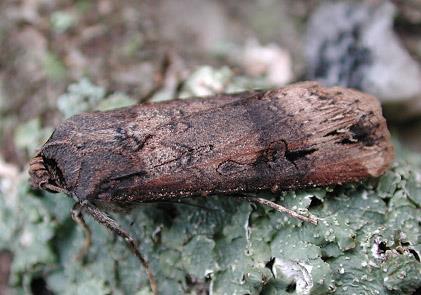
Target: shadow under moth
[{"x": 227, "y": 144}]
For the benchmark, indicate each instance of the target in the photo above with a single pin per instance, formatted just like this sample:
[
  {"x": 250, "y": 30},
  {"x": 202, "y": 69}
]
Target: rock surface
[{"x": 354, "y": 45}]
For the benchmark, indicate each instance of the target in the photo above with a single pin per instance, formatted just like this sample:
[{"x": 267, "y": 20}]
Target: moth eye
[{"x": 54, "y": 171}]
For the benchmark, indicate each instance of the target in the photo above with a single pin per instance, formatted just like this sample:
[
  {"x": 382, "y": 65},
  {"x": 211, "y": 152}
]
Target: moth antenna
[
  {"x": 311, "y": 218},
  {"x": 77, "y": 217},
  {"x": 54, "y": 188},
  {"x": 112, "y": 225}
]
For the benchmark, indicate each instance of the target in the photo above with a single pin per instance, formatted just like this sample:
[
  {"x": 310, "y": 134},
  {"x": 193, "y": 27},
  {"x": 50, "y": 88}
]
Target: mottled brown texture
[{"x": 291, "y": 137}]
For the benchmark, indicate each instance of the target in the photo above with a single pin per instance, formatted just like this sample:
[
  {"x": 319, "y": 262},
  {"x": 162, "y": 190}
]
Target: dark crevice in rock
[
  {"x": 291, "y": 288},
  {"x": 270, "y": 264},
  {"x": 39, "y": 287}
]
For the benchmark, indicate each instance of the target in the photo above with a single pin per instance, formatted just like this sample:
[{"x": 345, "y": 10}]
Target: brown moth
[{"x": 227, "y": 144}]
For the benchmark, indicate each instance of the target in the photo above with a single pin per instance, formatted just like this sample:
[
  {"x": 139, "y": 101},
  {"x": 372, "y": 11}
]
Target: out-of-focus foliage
[
  {"x": 80, "y": 97},
  {"x": 29, "y": 135},
  {"x": 367, "y": 242},
  {"x": 84, "y": 96},
  {"x": 61, "y": 21}
]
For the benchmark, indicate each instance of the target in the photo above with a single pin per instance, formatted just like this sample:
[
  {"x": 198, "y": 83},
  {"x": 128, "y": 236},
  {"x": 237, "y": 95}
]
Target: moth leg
[
  {"x": 112, "y": 225},
  {"x": 311, "y": 218},
  {"x": 78, "y": 218}
]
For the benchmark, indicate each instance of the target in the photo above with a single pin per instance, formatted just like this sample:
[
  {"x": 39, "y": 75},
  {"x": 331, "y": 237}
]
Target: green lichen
[
  {"x": 113, "y": 101},
  {"x": 85, "y": 96},
  {"x": 80, "y": 97},
  {"x": 207, "y": 81},
  {"x": 30, "y": 135},
  {"x": 54, "y": 67},
  {"x": 61, "y": 21},
  {"x": 367, "y": 242}
]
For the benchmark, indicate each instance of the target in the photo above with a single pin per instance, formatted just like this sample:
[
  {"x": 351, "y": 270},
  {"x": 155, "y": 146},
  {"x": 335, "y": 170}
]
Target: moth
[{"x": 227, "y": 144}]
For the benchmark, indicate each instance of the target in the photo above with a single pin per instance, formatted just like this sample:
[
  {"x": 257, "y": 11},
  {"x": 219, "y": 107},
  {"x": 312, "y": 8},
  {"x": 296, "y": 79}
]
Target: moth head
[{"x": 44, "y": 176}]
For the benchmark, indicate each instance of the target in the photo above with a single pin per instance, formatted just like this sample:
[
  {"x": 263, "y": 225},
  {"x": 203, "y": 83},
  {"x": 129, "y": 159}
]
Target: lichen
[{"x": 80, "y": 97}]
